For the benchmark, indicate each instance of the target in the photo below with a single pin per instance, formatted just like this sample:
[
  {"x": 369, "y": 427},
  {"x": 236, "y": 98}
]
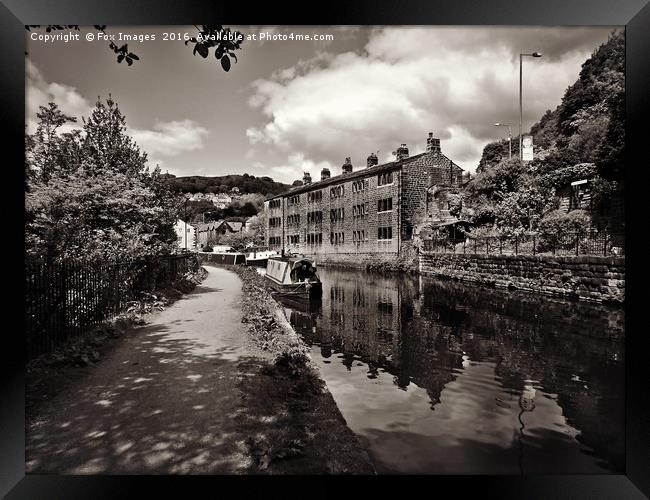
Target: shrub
[{"x": 557, "y": 225}]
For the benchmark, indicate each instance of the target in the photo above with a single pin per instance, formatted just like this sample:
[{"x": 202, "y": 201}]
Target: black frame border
[{"x": 633, "y": 14}]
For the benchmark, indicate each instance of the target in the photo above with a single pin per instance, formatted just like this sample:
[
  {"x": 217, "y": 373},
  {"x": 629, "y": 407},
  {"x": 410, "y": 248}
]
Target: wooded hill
[
  {"x": 223, "y": 184},
  {"x": 583, "y": 137}
]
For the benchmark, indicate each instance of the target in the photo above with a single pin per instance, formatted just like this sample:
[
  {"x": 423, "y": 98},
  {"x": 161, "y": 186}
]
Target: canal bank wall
[{"x": 591, "y": 278}]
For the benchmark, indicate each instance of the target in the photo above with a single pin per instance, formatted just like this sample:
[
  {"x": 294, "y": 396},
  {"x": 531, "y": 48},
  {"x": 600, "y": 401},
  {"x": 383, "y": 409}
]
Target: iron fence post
[{"x": 534, "y": 242}]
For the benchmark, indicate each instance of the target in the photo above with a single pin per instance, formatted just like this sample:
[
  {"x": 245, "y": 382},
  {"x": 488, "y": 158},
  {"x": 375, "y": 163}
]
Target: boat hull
[
  {"x": 257, "y": 262},
  {"x": 226, "y": 258},
  {"x": 297, "y": 290}
]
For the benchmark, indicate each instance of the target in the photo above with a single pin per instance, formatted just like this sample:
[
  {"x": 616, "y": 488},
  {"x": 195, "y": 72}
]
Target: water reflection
[{"x": 437, "y": 377}]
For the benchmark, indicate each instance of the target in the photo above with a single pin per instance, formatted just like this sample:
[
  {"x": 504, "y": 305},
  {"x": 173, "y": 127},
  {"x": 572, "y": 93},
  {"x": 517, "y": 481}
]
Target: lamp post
[
  {"x": 185, "y": 221},
  {"x": 521, "y": 113},
  {"x": 509, "y": 137}
]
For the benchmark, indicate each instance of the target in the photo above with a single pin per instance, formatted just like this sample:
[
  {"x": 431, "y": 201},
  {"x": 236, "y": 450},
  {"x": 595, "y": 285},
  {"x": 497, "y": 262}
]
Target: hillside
[
  {"x": 584, "y": 136},
  {"x": 222, "y": 184},
  {"x": 588, "y": 124}
]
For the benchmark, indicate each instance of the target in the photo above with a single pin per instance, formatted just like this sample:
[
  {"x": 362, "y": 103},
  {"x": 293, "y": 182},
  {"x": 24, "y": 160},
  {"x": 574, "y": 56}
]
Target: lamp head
[{"x": 536, "y": 54}]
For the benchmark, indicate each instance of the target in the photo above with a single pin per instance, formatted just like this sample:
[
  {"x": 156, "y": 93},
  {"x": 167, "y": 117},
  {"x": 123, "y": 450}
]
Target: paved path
[{"x": 165, "y": 401}]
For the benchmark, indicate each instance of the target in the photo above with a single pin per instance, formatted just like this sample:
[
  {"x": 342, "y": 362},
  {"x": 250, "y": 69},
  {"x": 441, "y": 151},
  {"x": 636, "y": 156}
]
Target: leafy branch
[{"x": 223, "y": 40}]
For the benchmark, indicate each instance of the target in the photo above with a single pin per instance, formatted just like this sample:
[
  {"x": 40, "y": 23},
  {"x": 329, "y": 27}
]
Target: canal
[{"x": 442, "y": 378}]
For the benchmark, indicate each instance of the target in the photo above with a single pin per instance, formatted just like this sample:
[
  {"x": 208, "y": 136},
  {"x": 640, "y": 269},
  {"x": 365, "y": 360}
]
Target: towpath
[{"x": 165, "y": 401}]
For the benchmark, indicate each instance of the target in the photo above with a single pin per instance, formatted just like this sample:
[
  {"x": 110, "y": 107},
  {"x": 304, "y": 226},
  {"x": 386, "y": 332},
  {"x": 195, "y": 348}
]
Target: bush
[{"x": 557, "y": 225}]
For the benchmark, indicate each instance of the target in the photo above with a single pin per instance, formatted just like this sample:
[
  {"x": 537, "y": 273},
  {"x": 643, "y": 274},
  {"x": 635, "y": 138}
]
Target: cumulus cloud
[
  {"x": 171, "y": 138},
  {"x": 39, "y": 92},
  {"x": 406, "y": 82}
]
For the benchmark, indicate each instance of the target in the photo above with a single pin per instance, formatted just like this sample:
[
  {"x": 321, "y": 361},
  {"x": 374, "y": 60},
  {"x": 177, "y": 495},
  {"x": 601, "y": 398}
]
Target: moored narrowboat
[
  {"x": 294, "y": 276},
  {"x": 260, "y": 258}
]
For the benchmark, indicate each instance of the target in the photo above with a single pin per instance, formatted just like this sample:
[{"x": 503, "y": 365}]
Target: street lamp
[
  {"x": 185, "y": 221},
  {"x": 509, "y": 137},
  {"x": 521, "y": 113}
]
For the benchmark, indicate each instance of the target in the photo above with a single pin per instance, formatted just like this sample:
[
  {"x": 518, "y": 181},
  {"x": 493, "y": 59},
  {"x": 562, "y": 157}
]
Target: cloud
[
  {"x": 170, "y": 138},
  {"x": 406, "y": 82},
  {"x": 39, "y": 93}
]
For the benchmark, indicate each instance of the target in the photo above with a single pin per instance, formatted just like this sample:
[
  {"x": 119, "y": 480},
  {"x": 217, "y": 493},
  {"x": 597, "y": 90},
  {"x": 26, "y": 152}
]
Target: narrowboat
[
  {"x": 259, "y": 258},
  {"x": 225, "y": 255},
  {"x": 294, "y": 276}
]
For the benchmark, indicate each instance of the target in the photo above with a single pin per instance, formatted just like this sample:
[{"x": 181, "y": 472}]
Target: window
[
  {"x": 385, "y": 179},
  {"x": 337, "y": 191},
  {"x": 359, "y": 186},
  {"x": 293, "y": 200},
  {"x": 293, "y": 220},
  {"x": 360, "y": 210},
  {"x": 315, "y": 196},
  {"x": 275, "y": 203},
  {"x": 385, "y": 205},
  {"x": 315, "y": 238},
  {"x": 358, "y": 236},
  {"x": 316, "y": 216},
  {"x": 275, "y": 221},
  {"x": 275, "y": 240},
  {"x": 385, "y": 233},
  {"x": 337, "y": 238},
  {"x": 293, "y": 239},
  {"x": 337, "y": 214}
]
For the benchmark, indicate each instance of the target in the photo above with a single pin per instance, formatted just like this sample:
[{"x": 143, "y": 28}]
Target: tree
[
  {"x": 583, "y": 138},
  {"x": 90, "y": 193}
]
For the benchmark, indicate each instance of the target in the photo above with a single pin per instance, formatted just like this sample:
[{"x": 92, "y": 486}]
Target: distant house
[
  {"x": 222, "y": 198},
  {"x": 210, "y": 232},
  {"x": 186, "y": 235},
  {"x": 235, "y": 226}
]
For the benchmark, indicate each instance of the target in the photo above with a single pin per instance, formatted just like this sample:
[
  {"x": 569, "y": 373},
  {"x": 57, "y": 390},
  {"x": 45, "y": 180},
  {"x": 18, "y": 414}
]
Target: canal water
[{"x": 437, "y": 377}]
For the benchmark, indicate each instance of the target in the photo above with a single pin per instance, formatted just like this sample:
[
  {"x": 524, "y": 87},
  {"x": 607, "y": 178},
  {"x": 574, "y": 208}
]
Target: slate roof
[{"x": 363, "y": 172}]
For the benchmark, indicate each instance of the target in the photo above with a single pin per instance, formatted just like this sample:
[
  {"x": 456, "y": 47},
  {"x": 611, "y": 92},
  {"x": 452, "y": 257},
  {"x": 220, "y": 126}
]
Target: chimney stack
[
  {"x": 306, "y": 178},
  {"x": 433, "y": 144},
  {"x": 347, "y": 166},
  {"x": 325, "y": 174},
  {"x": 372, "y": 160},
  {"x": 401, "y": 153}
]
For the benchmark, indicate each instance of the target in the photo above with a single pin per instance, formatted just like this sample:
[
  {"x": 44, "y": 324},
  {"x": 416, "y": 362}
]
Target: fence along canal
[{"x": 64, "y": 299}]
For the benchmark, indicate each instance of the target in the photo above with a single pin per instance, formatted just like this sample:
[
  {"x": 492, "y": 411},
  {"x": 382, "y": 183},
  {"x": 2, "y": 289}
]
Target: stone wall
[{"x": 599, "y": 279}]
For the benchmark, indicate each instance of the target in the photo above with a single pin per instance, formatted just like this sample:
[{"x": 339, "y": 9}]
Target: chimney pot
[
  {"x": 347, "y": 166},
  {"x": 433, "y": 144},
  {"x": 401, "y": 153},
  {"x": 306, "y": 178},
  {"x": 325, "y": 174},
  {"x": 372, "y": 160}
]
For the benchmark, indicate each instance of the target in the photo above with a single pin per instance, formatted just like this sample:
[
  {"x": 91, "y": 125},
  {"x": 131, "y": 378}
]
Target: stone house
[
  {"x": 210, "y": 232},
  {"x": 368, "y": 211}
]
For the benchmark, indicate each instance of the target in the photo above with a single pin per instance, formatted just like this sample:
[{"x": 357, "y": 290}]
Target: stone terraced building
[{"x": 366, "y": 212}]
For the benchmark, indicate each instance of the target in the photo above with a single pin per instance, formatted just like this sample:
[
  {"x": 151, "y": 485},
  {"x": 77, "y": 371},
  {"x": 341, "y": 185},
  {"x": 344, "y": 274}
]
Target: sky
[{"x": 293, "y": 106}]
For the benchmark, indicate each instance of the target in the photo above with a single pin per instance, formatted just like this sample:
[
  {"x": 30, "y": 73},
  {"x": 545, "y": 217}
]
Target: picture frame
[{"x": 633, "y": 14}]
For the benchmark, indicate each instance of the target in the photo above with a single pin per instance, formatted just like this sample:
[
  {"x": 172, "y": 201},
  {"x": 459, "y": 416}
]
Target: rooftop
[{"x": 362, "y": 172}]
